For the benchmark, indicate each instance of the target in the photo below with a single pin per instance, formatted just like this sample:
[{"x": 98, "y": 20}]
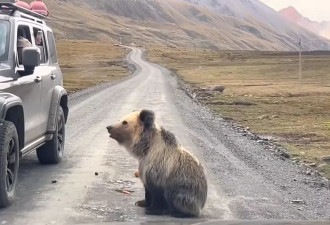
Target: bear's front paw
[{"x": 142, "y": 204}]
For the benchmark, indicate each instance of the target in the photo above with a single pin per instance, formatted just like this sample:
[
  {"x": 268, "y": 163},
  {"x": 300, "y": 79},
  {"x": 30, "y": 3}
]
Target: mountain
[
  {"x": 291, "y": 14},
  {"x": 254, "y": 10},
  {"x": 321, "y": 28},
  {"x": 178, "y": 23}
]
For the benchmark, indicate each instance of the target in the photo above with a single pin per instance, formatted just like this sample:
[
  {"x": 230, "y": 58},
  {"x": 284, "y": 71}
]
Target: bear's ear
[{"x": 147, "y": 117}]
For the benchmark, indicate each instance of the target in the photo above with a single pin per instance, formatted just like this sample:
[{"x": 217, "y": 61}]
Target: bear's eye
[{"x": 125, "y": 123}]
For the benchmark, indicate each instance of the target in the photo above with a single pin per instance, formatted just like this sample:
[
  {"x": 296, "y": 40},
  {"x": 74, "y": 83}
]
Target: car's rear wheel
[
  {"x": 9, "y": 162},
  {"x": 52, "y": 151}
]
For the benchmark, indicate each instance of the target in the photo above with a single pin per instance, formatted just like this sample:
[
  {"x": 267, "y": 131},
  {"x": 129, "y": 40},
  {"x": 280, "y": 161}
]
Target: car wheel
[
  {"x": 9, "y": 162},
  {"x": 52, "y": 151}
]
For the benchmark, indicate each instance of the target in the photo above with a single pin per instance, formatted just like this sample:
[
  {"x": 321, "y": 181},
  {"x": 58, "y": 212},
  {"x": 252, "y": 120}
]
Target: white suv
[{"x": 33, "y": 102}]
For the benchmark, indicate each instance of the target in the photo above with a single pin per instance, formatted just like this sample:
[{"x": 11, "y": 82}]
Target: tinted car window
[
  {"x": 52, "y": 47},
  {"x": 40, "y": 42},
  {"x": 4, "y": 40}
]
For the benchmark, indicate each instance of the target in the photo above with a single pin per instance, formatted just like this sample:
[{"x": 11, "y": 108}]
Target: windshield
[{"x": 4, "y": 40}]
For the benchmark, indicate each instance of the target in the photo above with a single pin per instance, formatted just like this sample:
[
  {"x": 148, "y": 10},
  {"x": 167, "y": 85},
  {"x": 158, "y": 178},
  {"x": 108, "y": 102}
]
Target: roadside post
[{"x": 300, "y": 64}]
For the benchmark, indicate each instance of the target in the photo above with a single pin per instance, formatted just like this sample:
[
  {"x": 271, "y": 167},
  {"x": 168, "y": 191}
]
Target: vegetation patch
[
  {"x": 88, "y": 63},
  {"x": 261, "y": 90}
]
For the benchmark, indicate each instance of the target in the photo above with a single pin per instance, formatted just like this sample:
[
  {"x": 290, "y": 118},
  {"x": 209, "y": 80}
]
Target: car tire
[
  {"x": 52, "y": 151},
  {"x": 9, "y": 162}
]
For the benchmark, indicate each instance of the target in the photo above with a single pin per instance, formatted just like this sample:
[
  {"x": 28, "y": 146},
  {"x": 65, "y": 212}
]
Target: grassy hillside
[
  {"x": 87, "y": 63},
  {"x": 262, "y": 92},
  {"x": 168, "y": 23}
]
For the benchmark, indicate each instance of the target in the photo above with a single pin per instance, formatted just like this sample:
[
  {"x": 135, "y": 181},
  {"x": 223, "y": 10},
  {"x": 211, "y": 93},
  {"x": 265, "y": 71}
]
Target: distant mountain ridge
[
  {"x": 321, "y": 28},
  {"x": 212, "y": 24},
  {"x": 255, "y": 10}
]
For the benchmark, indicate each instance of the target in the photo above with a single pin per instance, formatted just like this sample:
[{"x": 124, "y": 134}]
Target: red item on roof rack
[
  {"x": 23, "y": 4},
  {"x": 40, "y": 7}
]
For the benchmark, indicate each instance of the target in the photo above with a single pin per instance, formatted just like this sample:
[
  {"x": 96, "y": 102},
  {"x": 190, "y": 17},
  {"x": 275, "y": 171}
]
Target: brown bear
[{"x": 174, "y": 180}]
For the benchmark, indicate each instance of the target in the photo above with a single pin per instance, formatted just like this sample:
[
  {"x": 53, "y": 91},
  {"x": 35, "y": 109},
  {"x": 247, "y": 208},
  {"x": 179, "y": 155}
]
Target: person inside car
[{"x": 21, "y": 44}]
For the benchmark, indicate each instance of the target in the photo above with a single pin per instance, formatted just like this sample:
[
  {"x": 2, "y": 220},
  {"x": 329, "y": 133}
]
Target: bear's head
[{"x": 129, "y": 131}]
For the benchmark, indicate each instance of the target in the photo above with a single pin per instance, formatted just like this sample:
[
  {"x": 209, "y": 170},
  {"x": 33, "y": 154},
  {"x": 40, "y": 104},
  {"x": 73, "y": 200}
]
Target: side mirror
[{"x": 30, "y": 59}]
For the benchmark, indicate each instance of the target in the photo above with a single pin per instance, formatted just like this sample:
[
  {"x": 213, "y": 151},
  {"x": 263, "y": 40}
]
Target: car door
[
  {"x": 46, "y": 72},
  {"x": 28, "y": 88}
]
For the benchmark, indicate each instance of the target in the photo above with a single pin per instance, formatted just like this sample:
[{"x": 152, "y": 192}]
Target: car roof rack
[{"x": 10, "y": 8}]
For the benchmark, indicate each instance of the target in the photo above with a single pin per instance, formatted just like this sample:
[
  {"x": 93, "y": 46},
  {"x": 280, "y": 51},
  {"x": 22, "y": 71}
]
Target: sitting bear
[{"x": 174, "y": 180}]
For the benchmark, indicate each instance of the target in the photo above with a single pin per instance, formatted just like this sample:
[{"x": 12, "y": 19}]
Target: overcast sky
[{"x": 313, "y": 9}]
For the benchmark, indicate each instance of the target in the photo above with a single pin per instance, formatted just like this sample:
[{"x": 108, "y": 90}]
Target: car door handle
[
  {"x": 37, "y": 79},
  {"x": 53, "y": 76}
]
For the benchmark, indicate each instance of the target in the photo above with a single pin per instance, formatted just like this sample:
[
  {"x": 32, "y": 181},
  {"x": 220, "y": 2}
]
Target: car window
[
  {"x": 23, "y": 40},
  {"x": 52, "y": 47},
  {"x": 40, "y": 42},
  {"x": 4, "y": 40}
]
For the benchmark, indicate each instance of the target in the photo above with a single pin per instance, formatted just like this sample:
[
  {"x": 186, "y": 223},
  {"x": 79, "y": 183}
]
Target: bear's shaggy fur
[{"x": 174, "y": 180}]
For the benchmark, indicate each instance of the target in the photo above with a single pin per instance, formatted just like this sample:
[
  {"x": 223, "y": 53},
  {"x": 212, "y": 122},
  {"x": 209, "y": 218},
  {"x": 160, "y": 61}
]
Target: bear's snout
[{"x": 109, "y": 128}]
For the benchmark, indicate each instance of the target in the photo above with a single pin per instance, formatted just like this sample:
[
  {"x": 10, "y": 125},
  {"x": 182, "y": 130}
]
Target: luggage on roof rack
[
  {"x": 37, "y": 8},
  {"x": 40, "y": 7},
  {"x": 23, "y": 4}
]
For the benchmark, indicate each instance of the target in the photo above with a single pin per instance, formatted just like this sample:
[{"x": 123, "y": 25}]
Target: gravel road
[{"x": 247, "y": 179}]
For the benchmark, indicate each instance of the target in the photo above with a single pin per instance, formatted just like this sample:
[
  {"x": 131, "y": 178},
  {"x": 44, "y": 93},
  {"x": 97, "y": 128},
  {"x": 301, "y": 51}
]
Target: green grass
[{"x": 264, "y": 84}]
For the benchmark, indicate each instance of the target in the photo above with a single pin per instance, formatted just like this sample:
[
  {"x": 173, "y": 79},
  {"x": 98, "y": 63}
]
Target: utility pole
[
  {"x": 300, "y": 75},
  {"x": 195, "y": 48}
]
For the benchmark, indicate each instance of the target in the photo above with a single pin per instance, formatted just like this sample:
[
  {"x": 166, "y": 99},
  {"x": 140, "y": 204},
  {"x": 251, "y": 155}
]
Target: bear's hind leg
[{"x": 181, "y": 204}]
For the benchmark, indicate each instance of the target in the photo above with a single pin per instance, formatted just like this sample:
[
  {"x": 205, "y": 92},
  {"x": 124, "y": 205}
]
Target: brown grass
[
  {"x": 87, "y": 63},
  {"x": 265, "y": 84}
]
